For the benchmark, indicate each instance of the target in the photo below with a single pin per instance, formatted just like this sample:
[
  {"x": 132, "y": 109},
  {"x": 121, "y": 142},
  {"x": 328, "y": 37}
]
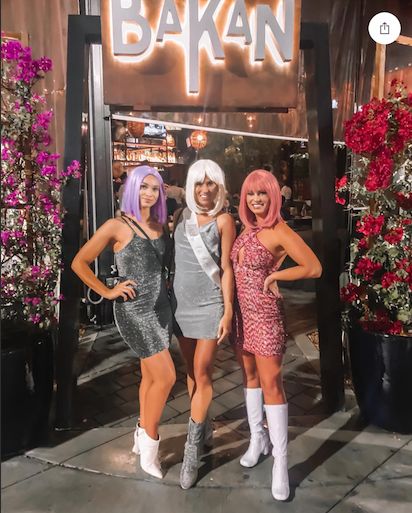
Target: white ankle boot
[
  {"x": 277, "y": 418},
  {"x": 259, "y": 439},
  {"x": 149, "y": 454},
  {"x": 137, "y": 432}
]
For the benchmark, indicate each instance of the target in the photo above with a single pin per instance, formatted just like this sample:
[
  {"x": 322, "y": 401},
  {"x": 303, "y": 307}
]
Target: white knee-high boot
[
  {"x": 136, "y": 434},
  {"x": 277, "y": 418},
  {"x": 149, "y": 454},
  {"x": 259, "y": 440}
]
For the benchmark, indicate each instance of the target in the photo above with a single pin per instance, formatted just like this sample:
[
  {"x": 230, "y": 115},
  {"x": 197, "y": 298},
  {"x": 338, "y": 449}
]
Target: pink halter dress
[{"x": 259, "y": 318}]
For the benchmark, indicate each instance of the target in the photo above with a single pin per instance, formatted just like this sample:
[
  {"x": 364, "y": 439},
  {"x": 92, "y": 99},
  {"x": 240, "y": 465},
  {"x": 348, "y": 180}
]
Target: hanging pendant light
[
  {"x": 135, "y": 128},
  {"x": 198, "y": 139}
]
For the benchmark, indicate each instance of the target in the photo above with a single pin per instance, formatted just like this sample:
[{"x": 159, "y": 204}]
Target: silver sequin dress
[
  {"x": 145, "y": 323},
  {"x": 199, "y": 301}
]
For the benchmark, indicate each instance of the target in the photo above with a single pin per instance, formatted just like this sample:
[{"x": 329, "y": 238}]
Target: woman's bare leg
[
  {"x": 247, "y": 363},
  {"x": 162, "y": 372},
  {"x": 203, "y": 369},
  {"x": 270, "y": 375},
  {"x": 188, "y": 347},
  {"x": 145, "y": 384}
]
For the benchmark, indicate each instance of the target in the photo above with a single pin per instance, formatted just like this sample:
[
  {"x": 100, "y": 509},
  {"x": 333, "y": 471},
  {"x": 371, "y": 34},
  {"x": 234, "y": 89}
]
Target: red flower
[
  {"x": 394, "y": 236},
  {"x": 403, "y": 135},
  {"x": 350, "y": 293},
  {"x": 388, "y": 279},
  {"x": 339, "y": 200},
  {"x": 370, "y": 225},
  {"x": 366, "y": 131},
  {"x": 380, "y": 172},
  {"x": 404, "y": 200},
  {"x": 341, "y": 182},
  {"x": 363, "y": 243},
  {"x": 367, "y": 268}
]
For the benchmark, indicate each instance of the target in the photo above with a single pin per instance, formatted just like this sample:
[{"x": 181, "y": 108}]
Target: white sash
[{"x": 199, "y": 248}]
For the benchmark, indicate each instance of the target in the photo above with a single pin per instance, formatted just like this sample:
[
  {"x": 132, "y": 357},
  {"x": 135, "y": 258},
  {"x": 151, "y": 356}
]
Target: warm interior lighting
[{"x": 198, "y": 139}]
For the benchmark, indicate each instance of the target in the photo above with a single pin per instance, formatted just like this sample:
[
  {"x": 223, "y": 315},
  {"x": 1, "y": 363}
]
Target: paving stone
[
  {"x": 168, "y": 413},
  {"x": 292, "y": 388},
  {"x": 129, "y": 422},
  {"x": 218, "y": 373},
  {"x": 110, "y": 416},
  {"x": 231, "y": 398},
  {"x": 130, "y": 407},
  {"x": 238, "y": 413},
  {"x": 127, "y": 379},
  {"x": 103, "y": 387},
  {"x": 236, "y": 377},
  {"x": 221, "y": 386},
  {"x": 216, "y": 409},
  {"x": 223, "y": 354},
  {"x": 181, "y": 404},
  {"x": 79, "y": 443},
  {"x": 314, "y": 392},
  {"x": 20, "y": 468},
  {"x": 295, "y": 410},
  {"x": 129, "y": 393},
  {"x": 228, "y": 365},
  {"x": 126, "y": 369},
  {"x": 179, "y": 388},
  {"x": 183, "y": 418},
  {"x": 305, "y": 401}
]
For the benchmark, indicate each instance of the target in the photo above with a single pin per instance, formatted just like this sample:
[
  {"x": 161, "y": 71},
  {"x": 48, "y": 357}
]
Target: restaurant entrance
[{"x": 84, "y": 39}]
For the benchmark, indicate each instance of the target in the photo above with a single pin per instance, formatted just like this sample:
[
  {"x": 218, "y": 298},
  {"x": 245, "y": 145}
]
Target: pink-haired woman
[
  {"x": 142, "y": 310},
  {"x": 259, "y": 331}
]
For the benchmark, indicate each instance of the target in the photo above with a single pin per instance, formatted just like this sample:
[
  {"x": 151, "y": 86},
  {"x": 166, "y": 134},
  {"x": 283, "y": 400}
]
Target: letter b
[{"x": 128, "y": 19}]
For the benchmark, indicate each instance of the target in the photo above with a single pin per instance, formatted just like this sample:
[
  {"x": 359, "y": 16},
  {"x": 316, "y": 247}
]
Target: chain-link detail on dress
[{"x": 259, "y": 317}]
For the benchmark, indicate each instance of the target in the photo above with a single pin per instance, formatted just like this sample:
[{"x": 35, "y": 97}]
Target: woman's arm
[
  {"x": 308, "y": 265},
  {"x": 104, "y": 236},
  {"x": 227, "y": 231}
]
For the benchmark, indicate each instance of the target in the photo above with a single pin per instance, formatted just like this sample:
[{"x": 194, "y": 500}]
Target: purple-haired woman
[{"x": 142, "y": 310}]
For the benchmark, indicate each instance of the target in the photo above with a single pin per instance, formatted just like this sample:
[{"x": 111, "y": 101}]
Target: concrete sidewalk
[{"x": 335, "y": 464}]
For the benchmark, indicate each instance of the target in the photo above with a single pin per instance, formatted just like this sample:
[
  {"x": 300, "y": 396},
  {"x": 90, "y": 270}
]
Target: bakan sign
[{"x": 201, "y": 54}]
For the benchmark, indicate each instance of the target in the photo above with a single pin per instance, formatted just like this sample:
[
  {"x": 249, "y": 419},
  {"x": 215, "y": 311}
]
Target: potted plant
[
  {"x": 30, "y": 255},
  {"x": 378, "y": 295}
]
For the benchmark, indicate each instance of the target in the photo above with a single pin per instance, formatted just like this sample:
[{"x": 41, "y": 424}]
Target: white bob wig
[{"x": 197, "y": 174}]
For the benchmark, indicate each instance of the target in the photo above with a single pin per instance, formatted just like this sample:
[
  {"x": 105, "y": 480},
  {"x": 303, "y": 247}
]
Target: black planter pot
[
  {"x": 382, "y": 378},
  {"x": 26, "y": 389}
]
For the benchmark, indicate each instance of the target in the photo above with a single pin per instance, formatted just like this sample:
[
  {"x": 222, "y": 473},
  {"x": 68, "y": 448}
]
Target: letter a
[
  {"x": 121, "y": 16},
  {"x": 239, "y": 11},
  {"x": 174, "y": 27}
]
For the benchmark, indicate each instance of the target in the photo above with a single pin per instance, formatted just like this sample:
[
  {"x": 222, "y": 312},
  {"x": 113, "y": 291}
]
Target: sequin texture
[
  {"x": 259, "y": 317},
  {"x": 199, "y": 301},
  {"x": 144, "y": 323}
]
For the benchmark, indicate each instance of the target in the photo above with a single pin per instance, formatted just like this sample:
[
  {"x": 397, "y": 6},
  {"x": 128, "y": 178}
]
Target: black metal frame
[
  {"x": 85, "y": 30},
  {"x": 82, "y": 31},
  {"x": 314, "y": 41}
]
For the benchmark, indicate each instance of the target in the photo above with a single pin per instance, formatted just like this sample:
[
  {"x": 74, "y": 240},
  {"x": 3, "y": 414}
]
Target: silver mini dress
[
  {"x": 198, "y": 300},
  {"x": 145, "y": 323}
]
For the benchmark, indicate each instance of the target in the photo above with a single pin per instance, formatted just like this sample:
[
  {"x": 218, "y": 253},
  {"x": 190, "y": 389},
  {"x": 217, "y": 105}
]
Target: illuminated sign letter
[
  {"x": 234, "y": 30},
  {"x": 126, "y": 20},
  {"x": 198, "y": 27},
  {"x": 166, "y": 27},
  {"x": 283, "y": 44}
]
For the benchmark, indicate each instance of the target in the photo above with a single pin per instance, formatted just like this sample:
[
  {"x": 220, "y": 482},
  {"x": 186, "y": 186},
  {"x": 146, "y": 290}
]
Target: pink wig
[{"x": 261, "y": 180}]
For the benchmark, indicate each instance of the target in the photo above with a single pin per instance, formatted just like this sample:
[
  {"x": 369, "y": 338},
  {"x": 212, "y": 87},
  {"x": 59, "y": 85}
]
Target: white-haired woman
[{"x": 203, "y": 289}]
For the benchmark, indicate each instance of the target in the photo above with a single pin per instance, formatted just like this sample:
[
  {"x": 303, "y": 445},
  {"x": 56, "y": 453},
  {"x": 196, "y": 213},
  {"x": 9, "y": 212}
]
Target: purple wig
[{"x": 131, "y": 196}]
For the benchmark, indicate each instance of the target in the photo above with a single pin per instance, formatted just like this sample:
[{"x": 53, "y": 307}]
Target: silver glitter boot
[
  {"x": 191, "y": 457},
  {"x": 208, "y": 437}
]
